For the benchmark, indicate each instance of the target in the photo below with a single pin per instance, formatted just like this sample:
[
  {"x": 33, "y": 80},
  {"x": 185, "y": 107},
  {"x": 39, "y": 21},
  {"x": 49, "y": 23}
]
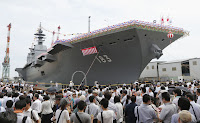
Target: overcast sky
[{"x": 72, "y": 16}]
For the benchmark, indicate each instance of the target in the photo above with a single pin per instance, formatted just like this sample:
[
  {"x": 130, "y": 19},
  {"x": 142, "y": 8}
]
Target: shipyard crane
[{"x": 6, "y": 62}]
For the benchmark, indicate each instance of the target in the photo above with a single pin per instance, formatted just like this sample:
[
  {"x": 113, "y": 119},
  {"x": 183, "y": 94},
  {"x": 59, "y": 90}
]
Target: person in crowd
[
  {"x": 194, "y": 107},
  {"x": 138, "y": 98},
  {"x": 168, "y": 110},
  {"x": 9, "y": 105},
  {"x": 8, "y": 97},
  {"x": 31, "y": 113},
  {"x": 184, "y": 117},
  {"x": 18, "y": 109},
  {"x": 128, "y": 101},
  {"x": 1, "y": 99},
  {"x": 36, "y": 104},
  {"x": 8, "y": 117},
  {"x": 88, "y": 95},
  {"x": 177, "y": 94},
  {"x": 106, "y": 116},
  {"x": 46, "y": 110},
  {"x": 151, "y": 92},
  {"x": 183, "y": 104},
  {"x": 129, "y": 111},
  {"x": 198, "y": 94},
  {"x": 144, "y": 113},
  {"x": 111, "y": 106},
  {"x": 119, "y": 107},
  {"x": 92, "y": 108},
  {"x": 62, "y": 115},
  {"x": 124, "y": 96},
  {"x": 57, "y": 103},
  {"x": 81, "y": 116}
]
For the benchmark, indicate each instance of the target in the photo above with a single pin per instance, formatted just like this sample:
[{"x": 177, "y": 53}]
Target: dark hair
[
  {"x": 127, "y": 98},
  {"x": 146, "y": 98},
  {"x": 133, "y": 99},
  {"x": 107, "y": 95},
  {"x": 9, "y": 104},
  {"x": 9, "y": 94},
  {"x": 162, "y": 87},
  {"x": 198, "y": 90},
  {"x": 166, "y": 96},
  {"x": 89, "y": 90},
  {"x": 184, "y": 103},
  {"x": 190, "y": 96},
  {"x": 177, "y": 91},
  {"x": 20, "y": 104},
  {"x": 63, "y": 104},
  {"x": 28, "y": 101},
  {"x": 46, "y": 97},
  {"x": 144, "y": 90},
  {"x": 1, "y": 95},
  {"x": 81, "y": 105},
  {"x": 8, "y": 117},
  {"x": 36, "y": 95},
  {"x": 91, "y": 98},
  {"x": 116, "y": 99},
  {"x": 125, "y": 91},
  {"x": 104, "y": 102},
  {"x": 22, "y": 97}
]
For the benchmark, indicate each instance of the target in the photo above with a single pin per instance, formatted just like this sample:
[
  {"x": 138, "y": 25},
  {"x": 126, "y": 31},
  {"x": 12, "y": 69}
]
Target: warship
[{"x": 114, "y": 54}]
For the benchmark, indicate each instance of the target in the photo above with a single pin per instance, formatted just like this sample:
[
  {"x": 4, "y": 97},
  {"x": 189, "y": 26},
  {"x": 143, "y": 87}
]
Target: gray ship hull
[{"x": 121, "y": 58}]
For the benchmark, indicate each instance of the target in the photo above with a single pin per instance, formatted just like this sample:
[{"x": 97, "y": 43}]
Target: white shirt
[
  {"x": 33, "y": 115},
  {"x": 138, "y": 100},
  {"x": 107, "y": 116},
  {"x": 124, "y": 99},
  {"x": 196, "y": 109},
  {"x": 46, "y": 107},
  {"x": 119, "y": 112},
  {"x": 175, "y": 101},
  {"x": 37, "y": 105},
  {"x": 5, "y": 101},
  {"x": 92, "y": 109},
  {"x": 151, "y": 94},
  {"x": 2, "y": 109},
  {"x": 63, "y": 117},
  {"x": 20, "y": 117},
  {"x": 198, "y": 101}
]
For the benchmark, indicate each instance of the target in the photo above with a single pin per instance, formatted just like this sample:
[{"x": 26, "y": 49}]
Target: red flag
[{"x": 88, "y": 51}]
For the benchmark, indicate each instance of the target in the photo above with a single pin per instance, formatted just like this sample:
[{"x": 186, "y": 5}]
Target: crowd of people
[{"x": 135, "y": 103}]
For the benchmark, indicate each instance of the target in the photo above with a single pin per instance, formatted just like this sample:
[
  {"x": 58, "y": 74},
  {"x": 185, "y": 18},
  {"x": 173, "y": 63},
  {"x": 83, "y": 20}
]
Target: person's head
[
  {"x": 143, "y": 90},
  {"x": 184, "y": 117},
  {"x": 92, "y": 99},
  {"x": 81, "y": 105},
  {"x": 36, "y": 96},
  {"x": 9, "y": 94},
  {"x": 146, "y": 99},
  {"x": 79, "y": 94},
  {"x": 104, "y": 103},
  {"x": 124, "y": 92},
  {"x": 1, "y": 95},
  {"x": 8, "y": 117},
  {"x": 165, "y": 97},
  {"x": 190, "y": 97},
  {"x": 150, "y": 89},
  {"x": 89, "y": 91},
  {"x": 133, "y": 99},
  {"x": 74, "y": 95},
  {"x": 9, "y": 104},
  {"x": 116, "y": 99},
  {"x": 22, "y": 97},
  {"x": 20, "y": 105},
  {"x": 95, "y": 93},
  {"x": 46, "y": 97},
  {"x": 177, "y": 92},
  {"x": 198, "y": 92},
  {"x": 184, "y": 103},
  {"x": 63, "y": 103},
  {"x": 28, "y": 103},
  {"x": 162, "y": 87},
  {"x": 107, "y": 95}
]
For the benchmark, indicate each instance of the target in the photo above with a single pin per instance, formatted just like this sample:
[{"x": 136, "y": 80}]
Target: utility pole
[
  {"x": 89, "y": 24},
  {"x": 6, "y": 63}
]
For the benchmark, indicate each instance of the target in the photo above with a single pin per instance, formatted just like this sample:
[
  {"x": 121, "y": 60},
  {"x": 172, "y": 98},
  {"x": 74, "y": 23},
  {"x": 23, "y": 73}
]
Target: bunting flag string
[{"x": 61, "y": 33}]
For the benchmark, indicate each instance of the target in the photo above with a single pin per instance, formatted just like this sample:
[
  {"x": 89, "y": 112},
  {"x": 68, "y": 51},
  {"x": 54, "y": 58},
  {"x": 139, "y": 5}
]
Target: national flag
[
  {"x": 88, "y": 51},
  {"x": 162, "y": 21}
]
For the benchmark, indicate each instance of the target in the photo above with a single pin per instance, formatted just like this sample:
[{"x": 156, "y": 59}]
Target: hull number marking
[{"x": 104, "y": 59}]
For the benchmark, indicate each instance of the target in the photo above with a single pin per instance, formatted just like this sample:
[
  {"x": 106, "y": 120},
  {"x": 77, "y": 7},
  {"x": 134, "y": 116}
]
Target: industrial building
[{"x": 179, "y": 70}]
